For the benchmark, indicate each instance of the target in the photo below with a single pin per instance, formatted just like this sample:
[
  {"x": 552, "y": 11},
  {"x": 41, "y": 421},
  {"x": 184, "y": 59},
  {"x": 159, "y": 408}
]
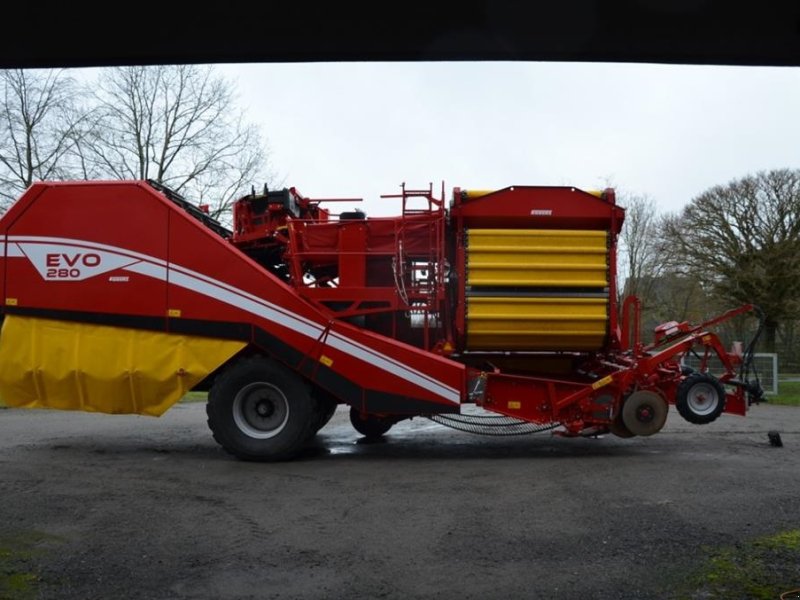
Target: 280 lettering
[{"x": 68, "y": 266}]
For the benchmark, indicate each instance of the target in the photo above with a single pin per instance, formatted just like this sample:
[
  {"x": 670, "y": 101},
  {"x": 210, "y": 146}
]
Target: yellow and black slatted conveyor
[{"x": 537, "y": 289}]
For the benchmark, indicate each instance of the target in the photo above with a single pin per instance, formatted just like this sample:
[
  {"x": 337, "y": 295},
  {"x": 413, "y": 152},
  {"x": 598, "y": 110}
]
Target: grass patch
[
  {"x": 788, "y": 394},
  {"x": 18, "y": 579},
  {"x": 764, "y": 569},
  {"x": 195, "y": 397}
]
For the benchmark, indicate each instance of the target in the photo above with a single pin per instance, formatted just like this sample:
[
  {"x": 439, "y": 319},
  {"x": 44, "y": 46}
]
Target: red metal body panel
[
  {"x": 115, "y": 214},
  {"x": 173, "y": 268},
  {"x": 538, "y": 207}
]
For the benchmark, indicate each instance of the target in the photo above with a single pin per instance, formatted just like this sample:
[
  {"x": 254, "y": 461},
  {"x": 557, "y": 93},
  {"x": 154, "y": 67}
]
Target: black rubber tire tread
[
  {"x": 299, "y": 427},
  {"x": 682, "y": 398},
  {"x": 326, "y": 408},
  {"x": 618, "y": 428},
  {"x": 371, "y": 427}
]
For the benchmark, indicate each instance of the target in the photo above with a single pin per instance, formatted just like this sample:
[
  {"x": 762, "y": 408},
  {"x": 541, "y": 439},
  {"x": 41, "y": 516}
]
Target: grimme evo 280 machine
[{"x": 119, "y": 297}]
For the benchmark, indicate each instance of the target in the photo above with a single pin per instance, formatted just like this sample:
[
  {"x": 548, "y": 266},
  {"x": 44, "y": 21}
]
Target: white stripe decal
[
  {"x": 13, "y": 250},
  {"x": 385, "y": 363},
  {"x": 149, "y": 269},
  {"x": 202, "y": 284},
  {"x": 36, "y": 239},
  {"x": 253, "y": 304},
  {"x": 313, "y": 331},
  {"x": 223, "y": 295},
  {"x": 245, "y": 295}
]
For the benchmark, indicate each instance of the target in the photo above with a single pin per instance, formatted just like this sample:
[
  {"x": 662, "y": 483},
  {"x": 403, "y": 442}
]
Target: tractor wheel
[
  {"x": 700, "y": 398},
  {"x": 371, "y": 427},
  {"x": 260, "y": 410},
  {"x": 326, "y": 408},
  {"x": 644, "y": 413}
]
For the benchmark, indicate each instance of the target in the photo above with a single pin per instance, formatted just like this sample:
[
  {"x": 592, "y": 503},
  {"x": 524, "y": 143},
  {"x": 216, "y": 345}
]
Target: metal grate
[{"x": 190, "y": 208}]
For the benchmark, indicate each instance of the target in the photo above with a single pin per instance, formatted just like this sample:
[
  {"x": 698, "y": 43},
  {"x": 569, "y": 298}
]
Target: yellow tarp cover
[{"x": 97, "y": 368}]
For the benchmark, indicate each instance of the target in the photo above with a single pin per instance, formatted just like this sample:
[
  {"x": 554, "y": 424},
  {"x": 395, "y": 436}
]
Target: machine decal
[
  {"x": 58, "y": 262},
  {"x": 12, "y": 251}
]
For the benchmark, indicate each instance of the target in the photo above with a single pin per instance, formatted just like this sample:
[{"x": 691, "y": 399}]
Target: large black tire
[
  {"x": 700, "y": 398},
  {"x": 371, "y": 427},
  {"x": 326, "y": 408},
  {"x": 260, "y": 410}
]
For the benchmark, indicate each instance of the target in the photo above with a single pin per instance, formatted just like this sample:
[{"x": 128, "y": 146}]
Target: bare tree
[
  {"x": 178, "y": 125},
  {"x": 640, "y": 245},
  {"x": 40, "y": 121},
  {"x": 743, "y": 241}
]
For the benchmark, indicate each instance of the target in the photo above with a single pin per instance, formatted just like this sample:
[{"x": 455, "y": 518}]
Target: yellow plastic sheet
[{"x": 96, "y": 368}]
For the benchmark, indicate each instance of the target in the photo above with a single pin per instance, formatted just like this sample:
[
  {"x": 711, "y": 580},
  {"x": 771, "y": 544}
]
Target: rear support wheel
[{"x": 370, "y": 426}]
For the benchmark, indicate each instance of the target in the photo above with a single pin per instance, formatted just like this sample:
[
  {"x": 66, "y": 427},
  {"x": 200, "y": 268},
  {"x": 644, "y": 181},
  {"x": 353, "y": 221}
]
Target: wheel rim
[
  {"x": 260, "y": 410},
  {"x": 645, "y": 413},
  {"x": 702, "y": 399}
]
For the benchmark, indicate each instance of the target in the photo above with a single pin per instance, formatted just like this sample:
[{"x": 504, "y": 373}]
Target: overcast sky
[{"x": 360, "y": 129}]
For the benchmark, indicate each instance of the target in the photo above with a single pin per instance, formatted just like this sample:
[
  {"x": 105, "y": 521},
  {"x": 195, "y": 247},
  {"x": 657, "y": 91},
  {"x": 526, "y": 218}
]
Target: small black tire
[
  {"x": 371, "y": 427},
  {"x": 700, "y": 398},
  {"x": 260, "y": 410}
]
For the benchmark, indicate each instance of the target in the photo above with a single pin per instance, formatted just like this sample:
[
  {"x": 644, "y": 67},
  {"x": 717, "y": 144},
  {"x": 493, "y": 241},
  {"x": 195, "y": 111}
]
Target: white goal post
[{"x": 766, "y": 365}]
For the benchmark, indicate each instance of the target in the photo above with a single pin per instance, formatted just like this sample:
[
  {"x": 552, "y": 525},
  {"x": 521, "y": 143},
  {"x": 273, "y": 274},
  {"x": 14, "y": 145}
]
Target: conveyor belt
[
  {"x": 190, "y": 208},
  {"x": 536, "y": 323},
  {"x": 537, "y": 257},
  {"x": 538, "y": 290}
]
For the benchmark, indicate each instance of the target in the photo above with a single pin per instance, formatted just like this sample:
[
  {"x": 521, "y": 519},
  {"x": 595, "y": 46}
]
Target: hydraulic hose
[{"x": 754, "y": 391}]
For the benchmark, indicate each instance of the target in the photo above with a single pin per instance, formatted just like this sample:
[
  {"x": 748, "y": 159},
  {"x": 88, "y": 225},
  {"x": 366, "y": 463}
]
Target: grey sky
[
  {"x": 360, "y": 129},
  {"x": 670, "y": 131}
]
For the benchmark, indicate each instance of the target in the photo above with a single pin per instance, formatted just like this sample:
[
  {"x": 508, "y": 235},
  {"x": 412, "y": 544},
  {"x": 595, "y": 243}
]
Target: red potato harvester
[{"x": 122, "y": 296}]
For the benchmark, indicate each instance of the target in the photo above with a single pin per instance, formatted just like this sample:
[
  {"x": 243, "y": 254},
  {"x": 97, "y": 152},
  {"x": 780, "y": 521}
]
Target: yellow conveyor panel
[
  {"x": 537, "y": 258},
  {"x": 76, "y": 366},
  {"x": 574, "y": 324}
]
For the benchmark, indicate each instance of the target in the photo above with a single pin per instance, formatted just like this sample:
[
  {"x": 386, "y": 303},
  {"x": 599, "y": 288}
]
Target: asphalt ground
[{"x": 99, "y": 506}]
